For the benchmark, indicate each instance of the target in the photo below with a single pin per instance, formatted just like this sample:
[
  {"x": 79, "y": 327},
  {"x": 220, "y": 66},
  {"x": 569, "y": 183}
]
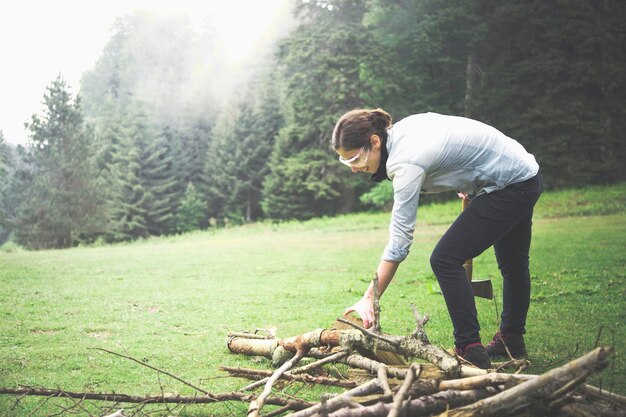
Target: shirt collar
[{"x": 381, "y": 174}]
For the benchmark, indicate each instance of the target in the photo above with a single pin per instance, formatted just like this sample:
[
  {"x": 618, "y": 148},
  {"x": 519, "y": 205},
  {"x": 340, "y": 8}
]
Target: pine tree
[
  {"x": 128, "y": 215},
  {"x": 159, "y": 180},
  {"x": 552, "y": 80},
  {"x": 318, "y": 68},
  {"x": 6, "y": 172},
  {"x": 62, "y": 205},
  {"x": 191, "y": 212}
]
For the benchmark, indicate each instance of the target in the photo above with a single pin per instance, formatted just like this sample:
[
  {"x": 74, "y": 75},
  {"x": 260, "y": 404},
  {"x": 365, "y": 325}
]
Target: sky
[{"x": 40, "y": 39}]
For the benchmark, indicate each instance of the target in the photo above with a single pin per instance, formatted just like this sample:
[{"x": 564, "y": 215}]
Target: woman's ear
[{"x": 375, "y": 142}]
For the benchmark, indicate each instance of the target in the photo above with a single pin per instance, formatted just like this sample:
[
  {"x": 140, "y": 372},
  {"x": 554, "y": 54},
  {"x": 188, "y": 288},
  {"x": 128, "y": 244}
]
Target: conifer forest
[{"x": 159, "y": 138}]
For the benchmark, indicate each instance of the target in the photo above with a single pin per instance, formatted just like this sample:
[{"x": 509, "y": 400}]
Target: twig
[
  {"x": 323, "y": 406},
  {"x": 257, "y": 404},
  {"x": 376, "y": 305},
  {"x": 32, "y": 413},
  {"x": 277, "y": 412},
  {"x": 249, "y": 335},
  {"x": 289, "y": 376},
  {"x": 521, "y": 364},
  {"x": 384, "y": 381},
  {"x": 306, "y": 368},
  {"x": 329, "y": 359},
  {"x": 372, "y": 366},
  {"x": 398, "y": 399},
  {"x": 611, "y": 397},
  {"x": 595, "y": 345},
  {"x": 156, "y": 369},
  {"x": 369, "y": 333},
  {"x": 420, "y": 323},
  {"x": 118, "y": 413},
  {"x": 482, "y": 381},
  {"x": 339, "y": 401}
]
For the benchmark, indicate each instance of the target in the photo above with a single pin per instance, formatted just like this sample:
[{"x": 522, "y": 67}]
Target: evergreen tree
[
  {"x": 6, "y": 172},
  {"x": 553, "y": 80},
  {"x": 238, "y": 160},
  {"x": 318, "y": 68},
  {"x": 61, "y": 205},
  {"x": 128, "y": 214},
  {"x": 5, "y": 159},
  {"x": 191, "y": 213},
  {"x": 160, "y": 181}
]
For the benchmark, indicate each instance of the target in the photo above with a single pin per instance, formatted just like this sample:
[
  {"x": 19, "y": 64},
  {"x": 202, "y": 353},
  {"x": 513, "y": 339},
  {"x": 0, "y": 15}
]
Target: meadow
[{"x": 171, "y": 301}]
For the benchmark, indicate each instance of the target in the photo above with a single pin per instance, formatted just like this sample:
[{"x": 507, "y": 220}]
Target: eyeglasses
[{"x": 354, "y": 162}]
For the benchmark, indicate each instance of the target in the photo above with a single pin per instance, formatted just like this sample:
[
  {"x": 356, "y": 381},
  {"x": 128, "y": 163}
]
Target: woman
[{"x": 431, "y": 152}]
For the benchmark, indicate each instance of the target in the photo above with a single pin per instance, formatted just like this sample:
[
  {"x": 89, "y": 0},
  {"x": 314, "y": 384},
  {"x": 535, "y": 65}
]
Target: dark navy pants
[{"x": 501, "y": 219}]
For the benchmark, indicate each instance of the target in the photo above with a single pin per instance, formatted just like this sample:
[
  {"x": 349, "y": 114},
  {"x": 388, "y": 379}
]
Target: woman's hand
[{"x": 365, "y": 308}]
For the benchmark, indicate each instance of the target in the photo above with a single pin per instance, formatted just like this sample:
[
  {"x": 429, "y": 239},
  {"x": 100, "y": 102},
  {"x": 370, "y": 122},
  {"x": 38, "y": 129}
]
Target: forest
[{"x": 161, "y": 139}]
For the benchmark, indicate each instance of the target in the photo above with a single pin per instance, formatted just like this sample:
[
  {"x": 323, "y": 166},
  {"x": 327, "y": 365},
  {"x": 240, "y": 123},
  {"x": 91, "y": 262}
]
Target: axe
[{"x": 482, "y": 288}]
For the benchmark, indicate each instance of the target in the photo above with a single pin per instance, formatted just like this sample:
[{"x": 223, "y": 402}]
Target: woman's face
[{"x": 363, "y": 159}]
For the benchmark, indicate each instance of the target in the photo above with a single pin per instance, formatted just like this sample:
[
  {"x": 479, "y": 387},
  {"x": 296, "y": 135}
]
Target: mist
[{"x": 179, "y": 69}]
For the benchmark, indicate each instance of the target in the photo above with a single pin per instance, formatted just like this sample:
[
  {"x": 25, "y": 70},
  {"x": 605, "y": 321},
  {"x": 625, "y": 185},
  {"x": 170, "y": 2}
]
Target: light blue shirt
[{"x": 432, "y": 153}]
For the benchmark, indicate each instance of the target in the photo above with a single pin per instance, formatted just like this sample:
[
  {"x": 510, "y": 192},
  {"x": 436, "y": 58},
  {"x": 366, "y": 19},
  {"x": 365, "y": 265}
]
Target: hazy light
[{"x": 40, "y": 39}]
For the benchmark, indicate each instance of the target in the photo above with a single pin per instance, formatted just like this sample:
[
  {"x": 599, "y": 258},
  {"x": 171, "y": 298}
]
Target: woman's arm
[{"x": 365, "y": 306}]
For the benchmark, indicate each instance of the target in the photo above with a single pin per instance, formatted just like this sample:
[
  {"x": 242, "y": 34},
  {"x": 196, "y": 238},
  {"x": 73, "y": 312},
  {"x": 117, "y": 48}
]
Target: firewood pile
[
  {"x": 408, "y": 376},
  {"x": 388, "y": 375}
]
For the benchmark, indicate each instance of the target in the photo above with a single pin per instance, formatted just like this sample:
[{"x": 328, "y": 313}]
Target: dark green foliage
[
  {"x": 380, "y": 196},
  {"x": 318, "y": 69},
  {"x": 145, "y": 197},
  {"x": 56, "y": 202},
  {"x": 180, "y": 146},
  {"x": 553, "y": 77},
  {"x": 190, "y": 215},
  {"x": 6, "y": 171},
  {"x": 152, "y": 109},
  {"x": 159, "y": 179},
  {"x": 237, "y": 161}
]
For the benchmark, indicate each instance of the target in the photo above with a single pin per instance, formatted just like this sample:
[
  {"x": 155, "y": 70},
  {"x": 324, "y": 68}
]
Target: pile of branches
[
  {"x": 400, "y": 376},
  {"x": 454, "y": 388}
]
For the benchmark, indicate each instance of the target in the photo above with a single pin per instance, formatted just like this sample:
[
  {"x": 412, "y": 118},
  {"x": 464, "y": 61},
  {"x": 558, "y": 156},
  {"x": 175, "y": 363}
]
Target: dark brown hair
[{"x": 355, "y": 128}]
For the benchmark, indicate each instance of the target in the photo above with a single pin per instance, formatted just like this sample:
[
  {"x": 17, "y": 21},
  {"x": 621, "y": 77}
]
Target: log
[
  {"x": 422, "y": 406},
  {"x": 539, "y": 391},
  {"x": 353, "y": 340}
]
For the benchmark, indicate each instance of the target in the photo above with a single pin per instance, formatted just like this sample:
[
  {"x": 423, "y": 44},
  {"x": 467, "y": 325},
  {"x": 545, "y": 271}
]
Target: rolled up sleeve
[{"x": 407, "y": 183}]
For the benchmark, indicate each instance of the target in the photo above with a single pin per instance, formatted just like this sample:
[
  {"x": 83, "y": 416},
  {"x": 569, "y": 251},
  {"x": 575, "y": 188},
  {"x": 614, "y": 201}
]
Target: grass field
[{"x": 170, "y": 301}]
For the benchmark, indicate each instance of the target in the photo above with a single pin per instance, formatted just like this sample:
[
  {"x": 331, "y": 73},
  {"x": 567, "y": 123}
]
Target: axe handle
[
  {"x": 481, "y": 288},
  {"x": 469, "y": 264}
]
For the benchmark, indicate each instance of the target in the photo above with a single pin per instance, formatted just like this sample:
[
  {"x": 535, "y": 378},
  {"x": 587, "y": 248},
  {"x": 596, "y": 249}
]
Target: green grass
[{"x": 170, "y": 301}]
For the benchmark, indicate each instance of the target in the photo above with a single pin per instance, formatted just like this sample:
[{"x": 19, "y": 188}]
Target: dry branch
[
  {"x": 153, "y": 399},
  {"x": 357, "y": 341},
  {"x": 154, "y": 368},
  {"x": 474, "y": 392},
  {"x": 396, "y": 407},
  {"x": 538, "y": 392},
  {"x": 339, "y": 401},
  {"x": 422, "y": 406},
  {"x": 289, "y": 376},
  {"x": 257, "y": 404}
]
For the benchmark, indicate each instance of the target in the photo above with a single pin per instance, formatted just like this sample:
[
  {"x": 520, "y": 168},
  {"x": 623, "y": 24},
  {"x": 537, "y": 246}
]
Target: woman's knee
[{"x": 440, "y": 262}]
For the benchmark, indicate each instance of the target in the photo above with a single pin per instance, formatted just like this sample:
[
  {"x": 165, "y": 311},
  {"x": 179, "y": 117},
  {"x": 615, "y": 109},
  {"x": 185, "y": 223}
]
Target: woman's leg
[
  {"x": 489, "y": 218},
  {"x": 512, "y": 254}
]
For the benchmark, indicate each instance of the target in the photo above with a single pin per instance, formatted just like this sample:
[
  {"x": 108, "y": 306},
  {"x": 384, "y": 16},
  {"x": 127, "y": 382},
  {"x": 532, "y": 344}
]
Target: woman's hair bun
[{"x": 380, "y": 118}]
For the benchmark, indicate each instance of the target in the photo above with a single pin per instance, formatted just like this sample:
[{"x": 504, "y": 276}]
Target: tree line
[{"x": 160, "y": 140}]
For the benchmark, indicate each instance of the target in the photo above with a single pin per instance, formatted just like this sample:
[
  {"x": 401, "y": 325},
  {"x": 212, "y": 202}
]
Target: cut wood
[{"x": 537, "y": 391}]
